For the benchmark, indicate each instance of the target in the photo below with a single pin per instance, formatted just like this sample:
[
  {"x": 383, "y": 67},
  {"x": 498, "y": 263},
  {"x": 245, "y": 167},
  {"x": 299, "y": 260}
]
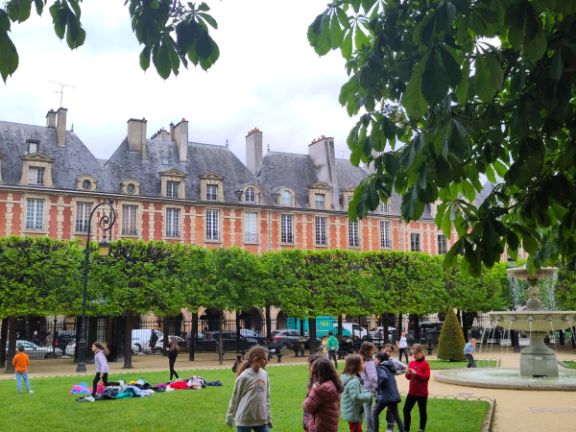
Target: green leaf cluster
[{"x": 455, "y": 92}]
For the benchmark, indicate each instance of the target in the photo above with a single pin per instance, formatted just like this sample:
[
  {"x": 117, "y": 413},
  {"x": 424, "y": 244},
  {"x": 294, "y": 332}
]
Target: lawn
[
  {"x": 50, "y": 407},
  {"x": 570, "y": 364},
  {"x": 445, "y": 364}
]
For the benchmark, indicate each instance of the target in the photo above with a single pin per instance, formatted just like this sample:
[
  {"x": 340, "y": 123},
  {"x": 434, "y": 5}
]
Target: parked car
[
  {"x": 38, "y": 352},
  {"x": 71, "y": 349},
  {"x": 211, "y": 338},
  {"x": 378, "y": 333},
  {"x": 351, "y": 330},
  {"x": 141, "y": 339},
  {"x": 64, "y": 338},
  {"x": 290, "y": 338}
]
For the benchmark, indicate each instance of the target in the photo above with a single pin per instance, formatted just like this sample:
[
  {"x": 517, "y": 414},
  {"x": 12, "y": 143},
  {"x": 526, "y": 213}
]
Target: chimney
[
  {"x": 51, "y": 119},
  {"x": 137, "y": 136},
  {"x": 179, "y": 135},
  {"x": 61, "y": 126},
  {"x": 254, "y": 151},
  {"x": 321, "y": 151}
]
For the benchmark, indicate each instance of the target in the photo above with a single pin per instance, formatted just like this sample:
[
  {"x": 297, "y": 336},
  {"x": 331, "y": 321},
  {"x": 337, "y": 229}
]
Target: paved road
[{"x": 516, "y": 410}]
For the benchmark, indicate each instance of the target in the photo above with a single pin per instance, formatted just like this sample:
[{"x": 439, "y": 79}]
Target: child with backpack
[
  {"x": 354, "y": 396},
  {"x": 387, "y": 395}
]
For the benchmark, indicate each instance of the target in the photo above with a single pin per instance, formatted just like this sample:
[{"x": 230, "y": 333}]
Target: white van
[
  {"x": 349, "y": 329},
  {"x": 141, "y": 339}
]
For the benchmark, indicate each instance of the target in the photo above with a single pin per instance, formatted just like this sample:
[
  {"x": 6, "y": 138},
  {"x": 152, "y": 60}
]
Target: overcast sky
[{"x": 268, "y": 76}]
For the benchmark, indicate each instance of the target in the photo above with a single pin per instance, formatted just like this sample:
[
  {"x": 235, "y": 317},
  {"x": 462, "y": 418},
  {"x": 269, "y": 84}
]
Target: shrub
[{"x": 451, "y": 342}]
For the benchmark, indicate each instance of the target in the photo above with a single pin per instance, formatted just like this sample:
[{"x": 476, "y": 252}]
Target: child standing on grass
[
  {"x": 307, "y": 418},
  {"x": 102, "y": 369},
  {"x": 388, "y": 395},
  {"x": 21, "y": 361},
  {"x": 322, "y": 404},
  {"x": 353, "y": 396},
  {"x": 249, "y": 406},
  {"x": 367, "y": 351},
  {"x": 418, "y": 373},
  {"x": 172, "y": 355}
]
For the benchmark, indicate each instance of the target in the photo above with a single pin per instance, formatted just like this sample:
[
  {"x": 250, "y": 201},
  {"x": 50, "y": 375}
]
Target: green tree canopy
[{"x": 452, "y": 92}]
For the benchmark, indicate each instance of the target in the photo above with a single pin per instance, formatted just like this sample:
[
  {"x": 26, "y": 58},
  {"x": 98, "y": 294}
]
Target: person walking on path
[
  {"x": 249, "y": 405},
  {"x": 172, "y": 355},
  {"x": 21, "y": 362},
  {"x": 388, "y": 395},
  {"x": 418, "y": 373},
  {"x": 469, "y": 350},
  {"x": 370, "y": 378},
  {"x": 403, "y": 347},
  {"x": 332, "y": 346},
  {"x": 322, "y": 404},
  {"x": 102, "y": 369},
  {"x": 353, "y": 396}
]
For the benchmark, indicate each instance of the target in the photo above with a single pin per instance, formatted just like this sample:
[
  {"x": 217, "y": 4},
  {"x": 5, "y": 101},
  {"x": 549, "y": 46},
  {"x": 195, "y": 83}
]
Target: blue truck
[{"x": 325, "y": 324}]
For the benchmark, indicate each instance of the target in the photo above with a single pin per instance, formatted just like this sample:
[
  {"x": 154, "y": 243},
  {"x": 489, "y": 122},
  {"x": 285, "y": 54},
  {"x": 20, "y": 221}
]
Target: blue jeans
[
  {"x": 263, "y": 428},
  {"x": 19, "y": 377}
]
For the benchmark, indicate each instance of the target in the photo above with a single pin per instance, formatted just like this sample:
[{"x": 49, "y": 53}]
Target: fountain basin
[
  {"x": 506, "y": 379},
  {"x": 534, "y": 321}
]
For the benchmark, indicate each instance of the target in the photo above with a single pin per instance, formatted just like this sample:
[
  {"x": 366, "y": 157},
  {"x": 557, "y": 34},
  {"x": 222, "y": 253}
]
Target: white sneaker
[
  {"x": 90, "y": 398},
  {"x": 30, "y": 391},
  {"x": 122, "y": 383}
]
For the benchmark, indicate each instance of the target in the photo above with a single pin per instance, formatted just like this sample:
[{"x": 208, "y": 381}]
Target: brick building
[{"x": 169, "y": 188}]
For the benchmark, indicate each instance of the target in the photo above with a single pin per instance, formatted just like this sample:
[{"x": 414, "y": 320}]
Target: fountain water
[{"x": 538, "y": 363}]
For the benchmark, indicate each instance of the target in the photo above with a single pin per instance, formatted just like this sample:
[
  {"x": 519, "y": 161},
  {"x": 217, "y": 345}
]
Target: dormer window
[
  {"x": 319, "y": 200},
  {"x": 172, "y": 189},
  {"x": 211, "y": 187},
  {"x": 131, "y": 188},
  {"x": 171, "y": 186},
  {"x": 250, "y": 196},
  {"x": 286, "y": 198},
  {"x": 86, "y": 184},
  {"x": 211, "y": 192},
  {"x": 36, "y": 176},
  {"x": 385, "y": 207},
  {"x": 32, "y": 146}
]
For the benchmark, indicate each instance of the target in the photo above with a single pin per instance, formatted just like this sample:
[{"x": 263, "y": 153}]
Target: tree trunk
[
  {"x": 239, "y": 347},
  {"x": 268, "y": 318},
  {"x": 384, "y": 321},
  {"x": 399, "y": 326},
  {"x": 339, "y": 327},
  {"x": 11, "y": 344},
  {"x": 193, "y": 334},
  {"x": 165, "y": 330},
  {"x": 3, "y": 341},
  {"x": 220, "y": 341},
  {"x": 128, "y": 341},
  {"x": 312, "y": 331}
]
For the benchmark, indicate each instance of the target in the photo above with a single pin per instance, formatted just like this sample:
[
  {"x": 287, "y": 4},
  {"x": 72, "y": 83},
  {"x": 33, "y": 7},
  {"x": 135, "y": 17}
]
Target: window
[
  {"x": 32, "y": 147},
  {"x": 385, "y": 207},
  {"x": 129, "y": 213},
  {"x": 131, "y": 189},
  {"x": 286, "y": 198},
  {"x": 353, "y": 234},
  {"x": 36, "y": 176},
  {"x": 212, "y": 192},
  {"x": 172, "y": 188},
  {"x": 442, "y": 244},
  {"x": 385, "y": 234},
  {"x": 250, "y": 196},
  {"x": 212, "y": 225},
  {"x": 35, "y": 214},
  {"x": 250, "y": 227},
  {"x": 319, "y": 200},
  {"x": 320, "y": 231},
  {"x": 83, "y": 210},
  {"x": 172, "y": 222},
  {"x": 414, "y": 242},
  {"x": 86, "y": 184},
  {"x": 287, "y": 229}
]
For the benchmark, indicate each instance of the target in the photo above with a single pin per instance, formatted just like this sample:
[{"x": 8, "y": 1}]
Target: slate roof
[
  {"x": 162, "y": 155},
  {"x": 68, "y": 163}
]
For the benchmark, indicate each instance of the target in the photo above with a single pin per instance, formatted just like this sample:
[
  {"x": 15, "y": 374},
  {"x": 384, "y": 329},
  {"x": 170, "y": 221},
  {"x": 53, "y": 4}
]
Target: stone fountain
[{"x": 538, "y": 363}]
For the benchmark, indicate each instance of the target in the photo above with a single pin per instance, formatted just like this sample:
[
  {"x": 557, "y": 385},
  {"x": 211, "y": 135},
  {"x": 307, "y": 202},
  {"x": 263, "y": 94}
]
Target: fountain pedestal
[{"x": 537, "y": 359}]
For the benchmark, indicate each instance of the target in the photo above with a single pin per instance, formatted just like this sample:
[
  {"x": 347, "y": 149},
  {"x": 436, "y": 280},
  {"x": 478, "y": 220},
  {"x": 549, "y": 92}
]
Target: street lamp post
[{"x": 105, "y": 222}]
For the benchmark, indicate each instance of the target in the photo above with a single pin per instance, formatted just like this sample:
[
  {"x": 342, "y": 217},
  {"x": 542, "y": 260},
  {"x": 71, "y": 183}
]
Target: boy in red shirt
[
  {"x": 418, "y": 373},
  {"x": 21, "y": 363}
]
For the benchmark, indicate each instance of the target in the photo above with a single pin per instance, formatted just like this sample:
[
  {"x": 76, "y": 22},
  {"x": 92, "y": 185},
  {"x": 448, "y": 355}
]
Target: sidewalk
[{"x": 516, "y": 410}]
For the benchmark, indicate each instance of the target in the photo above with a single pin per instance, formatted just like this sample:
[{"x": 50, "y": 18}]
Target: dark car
[
  {"x": 290, "y": 338},
  {"x": 230, "y": 341},
  {"x": 64, "y": 338}
]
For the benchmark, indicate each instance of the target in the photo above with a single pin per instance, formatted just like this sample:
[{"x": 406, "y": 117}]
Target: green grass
[
  {"x": 445, "y": 364},
  {"x": 570, "y": 364},
  {"x": 50, "y": 407}
]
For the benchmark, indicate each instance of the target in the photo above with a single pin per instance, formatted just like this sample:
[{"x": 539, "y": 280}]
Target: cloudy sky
[{"x": 267, "y": 76}]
